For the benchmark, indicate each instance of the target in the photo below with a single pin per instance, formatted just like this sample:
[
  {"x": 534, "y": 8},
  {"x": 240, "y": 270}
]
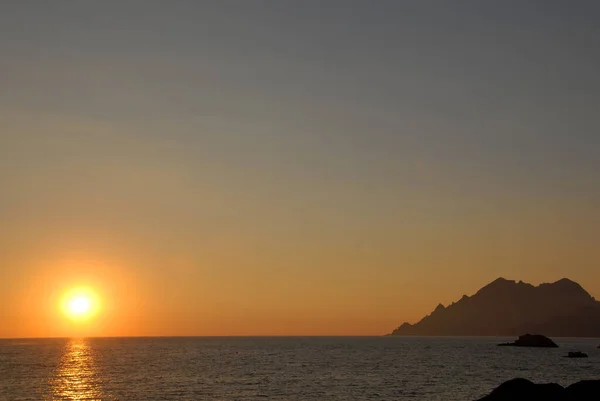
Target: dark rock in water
[
  {"x": 532, "y": 340},
  {"x": 525, "y": 390},
  {"x": 577, "y": 354}
]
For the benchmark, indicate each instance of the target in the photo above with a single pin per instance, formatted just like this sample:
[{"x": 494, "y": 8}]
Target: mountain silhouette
[{"x": 509, "y": 308}]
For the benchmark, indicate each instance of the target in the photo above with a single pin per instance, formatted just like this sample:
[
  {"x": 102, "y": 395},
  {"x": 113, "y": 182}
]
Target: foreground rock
[
  {"x": 525, "y": 390},
  {"x": 532, "y": 340},
  {"x": 584, "y": 390}
]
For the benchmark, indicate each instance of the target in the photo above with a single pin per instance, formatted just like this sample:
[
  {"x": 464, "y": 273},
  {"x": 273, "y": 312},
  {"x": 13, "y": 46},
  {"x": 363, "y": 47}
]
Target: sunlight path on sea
[{"x": 76, "y": 377}]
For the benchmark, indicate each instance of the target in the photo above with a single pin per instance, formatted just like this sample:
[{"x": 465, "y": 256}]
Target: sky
[{"x": 291, "y": 168}]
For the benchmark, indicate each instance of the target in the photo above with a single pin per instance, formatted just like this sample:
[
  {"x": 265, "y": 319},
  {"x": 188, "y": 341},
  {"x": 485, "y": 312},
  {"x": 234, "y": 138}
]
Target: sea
[{"x": 280, "y": 368}]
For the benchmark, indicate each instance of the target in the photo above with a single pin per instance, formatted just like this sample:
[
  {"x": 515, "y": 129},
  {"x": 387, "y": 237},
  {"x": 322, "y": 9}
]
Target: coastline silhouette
[{"x": 510, "y": 308}]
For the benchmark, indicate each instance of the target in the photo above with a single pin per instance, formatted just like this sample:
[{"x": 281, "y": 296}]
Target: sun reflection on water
[{"x": 77, "y": 378}]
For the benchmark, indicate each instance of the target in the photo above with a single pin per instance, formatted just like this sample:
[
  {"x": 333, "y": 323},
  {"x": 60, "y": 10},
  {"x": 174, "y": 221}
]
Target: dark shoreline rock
[
  {"x": 576, "y": 354},
  {"x": 525, "y": 390},
  {"x": 531, "y": 340}
]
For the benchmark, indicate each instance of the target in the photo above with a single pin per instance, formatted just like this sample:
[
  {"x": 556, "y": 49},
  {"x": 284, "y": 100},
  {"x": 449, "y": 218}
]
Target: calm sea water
[{"x": 331, "y": 368}]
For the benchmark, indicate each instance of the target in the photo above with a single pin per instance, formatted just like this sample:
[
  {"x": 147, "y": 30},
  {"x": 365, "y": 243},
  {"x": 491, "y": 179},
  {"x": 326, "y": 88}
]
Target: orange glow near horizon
[{"x": 91, "y": 294}]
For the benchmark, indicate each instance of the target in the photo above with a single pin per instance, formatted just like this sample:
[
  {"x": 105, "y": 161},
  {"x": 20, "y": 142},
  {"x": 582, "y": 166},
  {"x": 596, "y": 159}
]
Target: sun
[{"x": 80, "y": 304}]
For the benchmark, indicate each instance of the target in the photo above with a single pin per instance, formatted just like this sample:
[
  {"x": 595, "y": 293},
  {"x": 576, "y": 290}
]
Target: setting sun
[{"x": 80, "y": 304}]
